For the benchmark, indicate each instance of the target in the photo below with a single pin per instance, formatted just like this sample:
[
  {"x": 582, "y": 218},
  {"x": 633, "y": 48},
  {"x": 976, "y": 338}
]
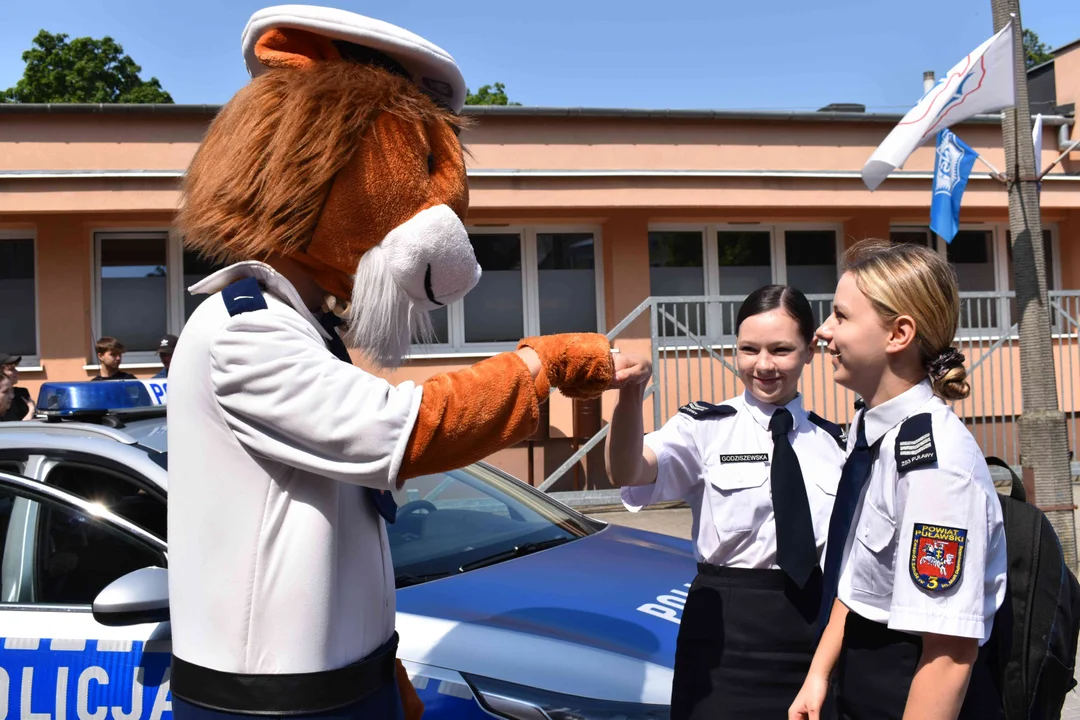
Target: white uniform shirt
[
  {"x": 721, "y": 467},
  {"x": 278, "y": 561},
  {"x": 927, "y": 553}
]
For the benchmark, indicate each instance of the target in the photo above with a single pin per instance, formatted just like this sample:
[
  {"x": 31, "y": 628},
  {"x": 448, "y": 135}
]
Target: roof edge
[
  {"x": 523, "y": 111},
  {"x": 106, "y": 109},
  {"x": 1065, "y": 48}
]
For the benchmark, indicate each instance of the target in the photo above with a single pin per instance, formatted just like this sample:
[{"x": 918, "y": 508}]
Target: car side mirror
[{"x": 141, "y": 596}]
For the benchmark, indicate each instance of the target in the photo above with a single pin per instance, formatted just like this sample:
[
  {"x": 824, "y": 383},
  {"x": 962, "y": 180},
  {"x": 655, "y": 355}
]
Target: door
[{"x": 56, "y": 661}]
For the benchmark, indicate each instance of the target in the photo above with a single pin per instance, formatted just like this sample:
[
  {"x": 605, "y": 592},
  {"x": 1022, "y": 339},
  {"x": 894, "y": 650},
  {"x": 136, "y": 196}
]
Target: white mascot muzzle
[{"x": 423, "y": 264}]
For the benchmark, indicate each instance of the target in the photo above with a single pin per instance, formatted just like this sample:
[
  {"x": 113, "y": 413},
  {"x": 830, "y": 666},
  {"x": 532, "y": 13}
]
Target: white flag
[
  {"x": 1036, "y": 140},
  {"x": 982, "y": 82}
]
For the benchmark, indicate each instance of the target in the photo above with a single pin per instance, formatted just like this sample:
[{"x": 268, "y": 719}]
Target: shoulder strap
[
  {"x": 915, "y": 443},
  {"x": 830, "y": 427},
  {"x": 700, "y": 410},
  {"x": 1018, "y": 492},
  {"x": 244, "y": 295}
]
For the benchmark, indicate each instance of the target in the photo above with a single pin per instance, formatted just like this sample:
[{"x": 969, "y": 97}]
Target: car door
[{"x": 56, "y": 660}]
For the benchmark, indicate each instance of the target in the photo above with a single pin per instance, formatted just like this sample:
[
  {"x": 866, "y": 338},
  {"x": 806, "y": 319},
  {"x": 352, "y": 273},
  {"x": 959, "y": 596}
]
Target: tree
[
  {"x": 486, "y": 96},
  {"x": 84, "y": 70},
  {"x": 1035, "y": 51}
]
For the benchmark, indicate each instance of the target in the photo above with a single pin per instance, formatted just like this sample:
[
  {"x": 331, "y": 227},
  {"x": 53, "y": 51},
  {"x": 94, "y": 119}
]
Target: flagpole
[
  {"x": 1044, "y": 451},
  {"x": 1060, "y": 157},
  {"x": 994, "y": 172}
]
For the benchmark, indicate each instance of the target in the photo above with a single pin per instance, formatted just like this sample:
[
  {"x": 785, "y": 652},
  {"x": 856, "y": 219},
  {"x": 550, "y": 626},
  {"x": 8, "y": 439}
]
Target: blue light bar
[{"x": 68, "y": 398}]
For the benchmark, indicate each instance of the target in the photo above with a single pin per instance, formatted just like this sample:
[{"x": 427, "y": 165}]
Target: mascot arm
[
  {"x": 288, "y": 399},
  {"x": 468, "y": 414}
]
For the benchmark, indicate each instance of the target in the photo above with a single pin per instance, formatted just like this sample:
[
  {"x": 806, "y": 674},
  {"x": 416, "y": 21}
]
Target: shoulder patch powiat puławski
[
  {"x": 915, "y": 443},
  {"x": 837, "y": 431},
  {"x": 699, "y": 410}
]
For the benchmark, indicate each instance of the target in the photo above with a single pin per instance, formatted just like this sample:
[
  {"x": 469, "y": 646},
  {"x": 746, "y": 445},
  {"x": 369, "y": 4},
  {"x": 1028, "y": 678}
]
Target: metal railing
[{"x": 693, "y": 353}]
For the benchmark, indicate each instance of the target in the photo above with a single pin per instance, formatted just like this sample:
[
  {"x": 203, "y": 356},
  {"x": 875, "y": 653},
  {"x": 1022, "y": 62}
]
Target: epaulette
[
  {"x": 837, "y": 431},
  {"x": 915, "y": 443},
  {"x": 699, "y": 410},
  {"x": 244, "y": 295}
]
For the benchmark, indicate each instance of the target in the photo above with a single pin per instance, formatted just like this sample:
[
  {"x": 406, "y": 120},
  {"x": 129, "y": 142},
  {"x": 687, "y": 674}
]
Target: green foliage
[
  {"x": 1035, "y": 51},
  {"x": 488, "y": 96},
  {"x": 84, "y": 70}
]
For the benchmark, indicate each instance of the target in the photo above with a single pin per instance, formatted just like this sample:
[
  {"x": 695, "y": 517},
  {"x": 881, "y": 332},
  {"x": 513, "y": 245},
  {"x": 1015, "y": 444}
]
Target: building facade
[{"x": 577, "y": 218}]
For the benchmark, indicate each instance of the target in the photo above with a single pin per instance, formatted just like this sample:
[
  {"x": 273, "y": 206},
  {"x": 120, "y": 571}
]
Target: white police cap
[{"x": 432, "y": 68}]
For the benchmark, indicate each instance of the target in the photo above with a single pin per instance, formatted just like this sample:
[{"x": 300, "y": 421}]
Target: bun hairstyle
[{"x": 905, "y": 279}]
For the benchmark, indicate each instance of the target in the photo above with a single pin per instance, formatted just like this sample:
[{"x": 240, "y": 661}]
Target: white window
[
  {"x": 141, "y": 280},
  {"x": 18, "y": 296},
  {"x": 566, "y": 282},
  {"x": 733, "y": 260},
  {"x": 133, "y": 288},
  {"x": 535, "y": 280},
  {"x": 493, "y": 312},
  {"x": 677, "y": 268}
]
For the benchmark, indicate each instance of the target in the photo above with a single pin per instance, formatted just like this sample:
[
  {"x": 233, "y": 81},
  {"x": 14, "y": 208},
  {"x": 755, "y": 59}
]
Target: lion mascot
[{"x": 334, "y": 187}]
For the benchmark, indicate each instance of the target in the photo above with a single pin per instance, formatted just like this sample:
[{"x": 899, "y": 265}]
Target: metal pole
[{"x": 1044, "y": 448}]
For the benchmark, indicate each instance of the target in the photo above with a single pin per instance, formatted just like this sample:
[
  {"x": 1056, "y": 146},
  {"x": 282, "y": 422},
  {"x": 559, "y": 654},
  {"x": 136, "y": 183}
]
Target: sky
[{"x": 711, "y": 54}]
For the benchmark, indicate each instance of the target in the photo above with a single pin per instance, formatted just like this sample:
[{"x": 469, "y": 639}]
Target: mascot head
[{"x": 341, "y": 154}]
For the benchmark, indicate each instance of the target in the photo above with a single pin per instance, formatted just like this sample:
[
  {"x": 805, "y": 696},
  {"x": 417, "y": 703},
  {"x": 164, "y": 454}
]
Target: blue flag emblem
[{"x": 952, "y": 167}]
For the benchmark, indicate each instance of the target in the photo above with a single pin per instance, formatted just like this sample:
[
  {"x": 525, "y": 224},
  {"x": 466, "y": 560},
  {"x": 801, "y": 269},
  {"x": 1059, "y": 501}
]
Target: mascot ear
[{"x": 285, "y": 47}]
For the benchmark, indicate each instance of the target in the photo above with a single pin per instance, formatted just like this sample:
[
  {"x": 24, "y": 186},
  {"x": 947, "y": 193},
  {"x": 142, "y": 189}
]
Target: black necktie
[
  {"x": 796, "y": 550},
  {"x": 854, "y": 476},
  {"x": 384, "y": 501}
]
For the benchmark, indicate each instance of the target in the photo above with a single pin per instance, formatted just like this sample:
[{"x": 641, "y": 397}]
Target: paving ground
[{"x": 676, "y": 521}]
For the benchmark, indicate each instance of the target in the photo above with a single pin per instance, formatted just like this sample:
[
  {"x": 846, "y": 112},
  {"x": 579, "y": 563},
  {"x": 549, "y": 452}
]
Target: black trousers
[
  {"x": 876, "y": 667},
  {"x": 745, "y": 644}
]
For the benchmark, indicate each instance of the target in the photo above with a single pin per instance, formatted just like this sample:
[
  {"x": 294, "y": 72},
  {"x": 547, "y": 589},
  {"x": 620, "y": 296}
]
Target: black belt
[{"x": 284, "y": 694}]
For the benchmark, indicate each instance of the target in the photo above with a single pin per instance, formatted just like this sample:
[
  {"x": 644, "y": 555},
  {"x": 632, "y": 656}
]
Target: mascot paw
[{"x": 579, "y": 364}]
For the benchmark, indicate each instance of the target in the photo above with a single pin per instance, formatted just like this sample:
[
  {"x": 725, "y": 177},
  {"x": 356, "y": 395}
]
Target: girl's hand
[
  {"x": 811, "y": 697},
  {"x": 630, "y": 370}
]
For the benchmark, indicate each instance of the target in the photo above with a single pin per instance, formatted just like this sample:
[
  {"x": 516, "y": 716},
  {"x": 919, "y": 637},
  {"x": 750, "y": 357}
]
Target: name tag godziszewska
[{"x": 745, "y": 458}]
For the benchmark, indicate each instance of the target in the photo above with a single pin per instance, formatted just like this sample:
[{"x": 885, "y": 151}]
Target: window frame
[
  {"x": 30, "y": 363},
  {"x": 711, "y": 259},
  {"x": 39, "y": 493},
  {"x": 133, "y": 360},
  {"x": 457, "y": 347}
]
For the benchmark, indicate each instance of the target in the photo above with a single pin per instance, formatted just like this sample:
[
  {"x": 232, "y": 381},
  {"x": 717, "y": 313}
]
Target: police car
[{"x": 509, "y": 603}]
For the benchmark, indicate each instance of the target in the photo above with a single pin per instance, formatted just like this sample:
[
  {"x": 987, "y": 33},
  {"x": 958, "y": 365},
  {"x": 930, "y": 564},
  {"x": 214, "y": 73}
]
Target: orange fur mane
[{"x": 259, "y": 181}]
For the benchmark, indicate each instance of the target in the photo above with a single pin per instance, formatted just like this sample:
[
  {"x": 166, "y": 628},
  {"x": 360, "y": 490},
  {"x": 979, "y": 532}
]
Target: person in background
[
  {"x": 110, "y": 352},
  {"x": 165, "y": 351},
  {"x": 21, "y": 407},
  {"x": 6, "y": 395}
]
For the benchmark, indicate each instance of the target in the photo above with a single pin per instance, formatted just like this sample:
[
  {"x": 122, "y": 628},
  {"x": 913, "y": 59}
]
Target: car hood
[{"x": 596, "y": 617}]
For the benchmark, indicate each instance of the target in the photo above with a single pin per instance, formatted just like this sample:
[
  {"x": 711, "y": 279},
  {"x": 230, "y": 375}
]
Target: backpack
[{"x": 1032, "y": 648}]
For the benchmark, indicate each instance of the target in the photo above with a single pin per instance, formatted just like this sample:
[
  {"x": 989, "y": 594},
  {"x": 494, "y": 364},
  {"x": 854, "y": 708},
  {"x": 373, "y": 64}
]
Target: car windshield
[{"x": 453, "y": 522}]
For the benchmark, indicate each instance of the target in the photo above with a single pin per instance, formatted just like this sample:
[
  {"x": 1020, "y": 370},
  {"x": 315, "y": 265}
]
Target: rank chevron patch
[{"x": 915, "y": 443}]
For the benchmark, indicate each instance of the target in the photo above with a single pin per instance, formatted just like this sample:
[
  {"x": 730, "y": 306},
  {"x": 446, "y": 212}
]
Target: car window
[
  {"x": 11, "y": 466},
  {"x": 448, "y": 523},
  {"x": 53, "y": 554},
  {"x": 115, "y": 491},
  {"x": 76, "y": 556}
]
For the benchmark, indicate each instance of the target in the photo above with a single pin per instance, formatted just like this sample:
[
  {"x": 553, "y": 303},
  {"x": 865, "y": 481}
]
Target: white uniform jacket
[
  {"x": 927, "y": 548},
  {"x": 278, "y": 560},
  {"x": 721, "y": 464}
]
